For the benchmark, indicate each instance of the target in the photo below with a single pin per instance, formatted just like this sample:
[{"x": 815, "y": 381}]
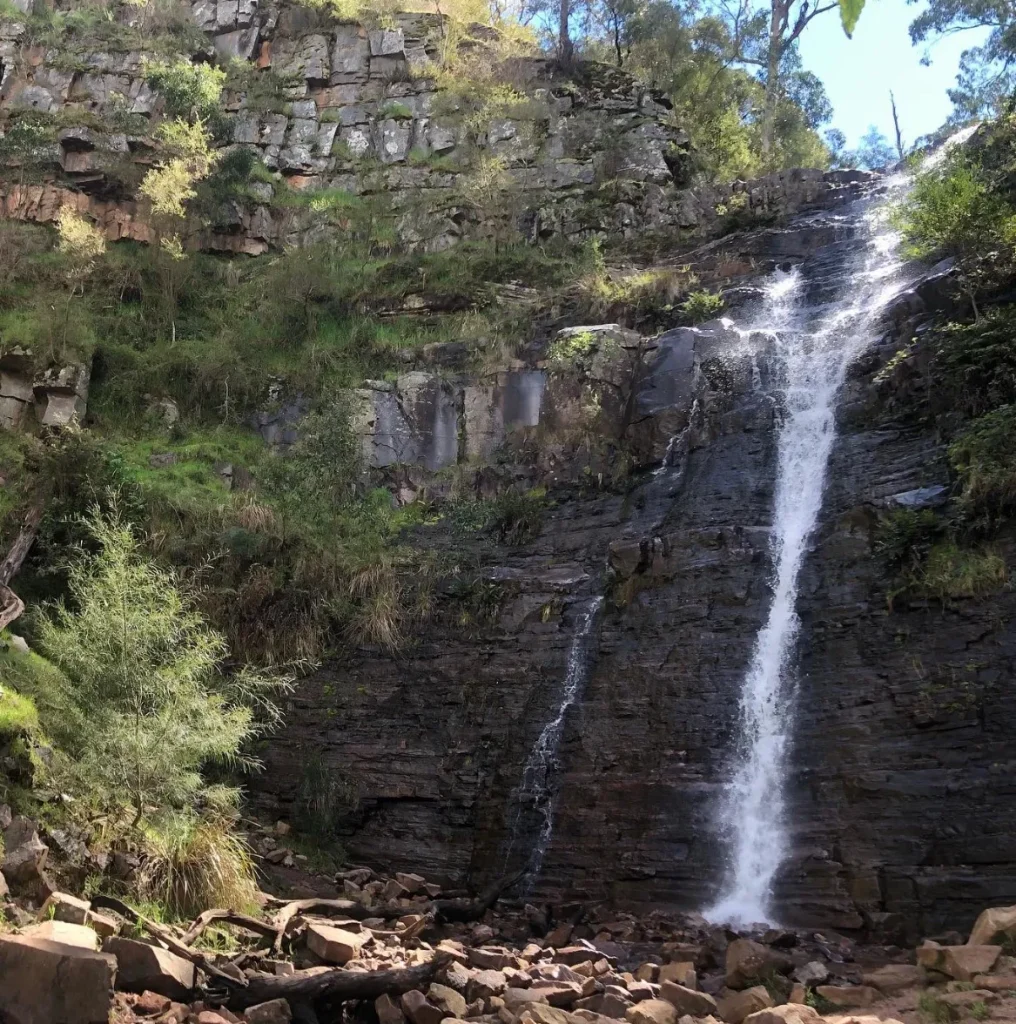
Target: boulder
[
  {"x": 24, "y": 854},
  {"x": 419, "y": 1010},
  {"x": 63, "y": 932},
  {"x": 388, "y": 1011},
  {"x": 996, "y": 982},
  {"x": 788, "y": 1013},
  {"x": 448, "y": 1000},
  {"x": 142, "y": 967},
  {"x": 606, "y": 1004},
  {"x": 485, "y": 984},
  {"x": 652, "y": 1011},
  {"x": 275, "y": 1011},
  {"x": 894, "y": 977},
  {"x": 991, "y": 924},
  {"x": 335, "y": 945},
  {"x": 47, "y": 982},
  {"x": 960, "y": 1002},
  {"x": 735, "y": 1007},
  {"x": 848, "y": 996},
  {"x": 687, "y": 1000},
  {"x": 959, "y": 962},
  {"x": 60, "y": 906},
  {"x": 410, "y": 882},
  {"x": 813, "y": 973},
  {"x": 681, "y": 972},
  {"x": 748, "y": 961},
  {"x": 517, "y": 999}
]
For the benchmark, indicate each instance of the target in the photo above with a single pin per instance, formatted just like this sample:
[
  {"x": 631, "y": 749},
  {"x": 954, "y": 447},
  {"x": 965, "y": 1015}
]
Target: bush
[
  {"x": 701, "y": 306},
  {"x": 142, "y": 706},
  {"x": 192, "y": 863},
  {"x": 984, "y": 457},
  {"x": 951, "y": 571},
  {"x": 976, "y": 363},
  {"x": 904, "y": 537}
]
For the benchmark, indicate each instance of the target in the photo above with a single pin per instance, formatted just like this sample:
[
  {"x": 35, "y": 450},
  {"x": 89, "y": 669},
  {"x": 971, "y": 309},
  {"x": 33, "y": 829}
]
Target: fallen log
[
  {"x": 337, "y": 984},
  {"x": 168, "y": 940},
  {"x": 202, "y": 921}
]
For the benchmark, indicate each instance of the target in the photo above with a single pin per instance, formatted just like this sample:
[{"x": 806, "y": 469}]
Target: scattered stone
[
  {"x": 411, "y": 883},
  {"x": 481, "y": 933},
  {"x": 652, "y": 1011},
  {"x": 996, "y": 982},
  {"x": 24, "y": 854},
  {"x": 894, "y": 977},
  {"x": 848, "y": 996},
  {"x": 142, "y": 966},
  {"x": 447, "y": 999},
  {"x": 960, "y": 1001},
  {"x": 813, "y": 973},
  {"x": 687, "y": 1000},
  {"x": 416, "y": 1007},
  {"x": 64, "y": 932},
  {"x": 516, "y": 999},
  {"x": 335, "y": 945},
  {"x": 789, "y": 1013},
  {"x": 748, "y": 961},
  {"x": 560, "y": 936},
  {"x": 485, "y": 984},
  {"x": 151, "y": 1003},
  {"x": 992, "y": 923},
  {"x": 798, "y": 994},
  {"x": 572, "y": 955},
  {"x": 959, "y": 962},
  {"x": 456, "y": 975},
  {"x": 681, "y": 972},
  {"x": 738, "y": 1005},
  {"x": 61, "y": 906},
  {"x": 648, "y": 972},
  {"x": 47, "y": 982},
  {"x": 275, "y": 1011},
  {"x": 388, "y": 1011}
]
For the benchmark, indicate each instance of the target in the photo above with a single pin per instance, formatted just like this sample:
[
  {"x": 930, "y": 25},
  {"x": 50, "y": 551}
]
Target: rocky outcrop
[
  {"x": 358, "y": 110},
  {"x": 899, "y": 796}
]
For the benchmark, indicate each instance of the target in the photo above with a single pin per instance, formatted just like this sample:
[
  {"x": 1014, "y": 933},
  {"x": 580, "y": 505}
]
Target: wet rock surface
[{"x": 900, "y": 792}]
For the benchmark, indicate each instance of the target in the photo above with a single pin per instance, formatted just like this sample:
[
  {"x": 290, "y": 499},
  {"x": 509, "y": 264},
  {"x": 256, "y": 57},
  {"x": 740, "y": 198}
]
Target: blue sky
[{"x": 859, "y": 72}]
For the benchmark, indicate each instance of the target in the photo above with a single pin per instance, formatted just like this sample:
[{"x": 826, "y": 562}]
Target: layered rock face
[
  {"x": 334, "y": 105},
  {"x": 901, "y": 804}
]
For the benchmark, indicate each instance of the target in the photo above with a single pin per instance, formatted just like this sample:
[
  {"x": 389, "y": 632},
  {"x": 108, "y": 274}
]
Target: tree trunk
[
  {"x": 564, "y": 43},
  {"x": 779, "y": 8}
]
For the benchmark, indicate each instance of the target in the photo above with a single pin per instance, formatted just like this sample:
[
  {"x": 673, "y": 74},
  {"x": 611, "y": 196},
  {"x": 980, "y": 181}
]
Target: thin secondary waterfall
[
  {"x": 535, "y": 795},
  {"x": 814, "y": 322}
]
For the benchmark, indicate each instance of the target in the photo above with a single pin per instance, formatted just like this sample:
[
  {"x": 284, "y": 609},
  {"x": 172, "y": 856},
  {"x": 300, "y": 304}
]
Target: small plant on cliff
[
  {"x": 984, "y": 457},
  {"x": 143, "y": 706},
  {"x": 700, "y": 306},
  {"x": 191, "y": 91}
]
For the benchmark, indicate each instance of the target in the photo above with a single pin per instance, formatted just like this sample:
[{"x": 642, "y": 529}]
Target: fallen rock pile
[{"x": 399, "y": 950}]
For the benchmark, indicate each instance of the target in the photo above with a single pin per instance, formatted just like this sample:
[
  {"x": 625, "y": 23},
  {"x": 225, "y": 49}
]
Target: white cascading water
[
  {"x": 811, "y": 346},
  {"x": 536, "y": 791}
]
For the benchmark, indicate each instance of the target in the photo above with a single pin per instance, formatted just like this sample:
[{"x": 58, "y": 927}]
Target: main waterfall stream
[{"x": 814, "y": 322}]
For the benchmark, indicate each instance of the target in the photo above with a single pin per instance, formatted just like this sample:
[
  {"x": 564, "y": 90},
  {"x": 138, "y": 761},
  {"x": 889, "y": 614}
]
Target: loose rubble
[{"x": 400, "y": 950}]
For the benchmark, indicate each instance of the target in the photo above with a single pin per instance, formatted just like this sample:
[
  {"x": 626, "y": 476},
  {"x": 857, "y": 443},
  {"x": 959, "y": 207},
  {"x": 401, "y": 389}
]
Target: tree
[
  {"x": 987, "y": 75},
  {"x": 874, "y": 153},
  {"x": 145, "y": 705}
]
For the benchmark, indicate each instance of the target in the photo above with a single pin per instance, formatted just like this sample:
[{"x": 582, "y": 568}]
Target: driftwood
[
  {"x": 336, "y": 984},
  {"x": 11, "y": 606},
  {"x": 167, "y": 939},
  {"x": 202, "y": 921}
]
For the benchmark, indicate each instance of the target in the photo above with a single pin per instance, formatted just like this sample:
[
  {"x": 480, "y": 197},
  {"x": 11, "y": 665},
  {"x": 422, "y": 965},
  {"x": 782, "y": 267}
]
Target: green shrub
[
  {"x": 984, "y": 457},
  {"x": 191, "y": 90},
  {"x": 192, "y": 863},
  {"x": 976, "y": 363},
  {"x": 950, "y": 571},
  {"x": 143, "y": 708},
  {"x": 323, "y": 798},
  {"x": 903, "y": 537},
  {"x": 701, "y": 306}
]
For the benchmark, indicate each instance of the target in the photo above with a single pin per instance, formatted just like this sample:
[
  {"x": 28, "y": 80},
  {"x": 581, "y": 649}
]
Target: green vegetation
[
  {"x": 963, "y": 207},
  {"x": 984, "y": 458},
  {"x": 195, "y": 862},
  {"x": 140, "y": 706},
  {"x": 933, "y": 1010},
  {"x": 701, "y": 306},
  {"x": 513, "y": 518}
]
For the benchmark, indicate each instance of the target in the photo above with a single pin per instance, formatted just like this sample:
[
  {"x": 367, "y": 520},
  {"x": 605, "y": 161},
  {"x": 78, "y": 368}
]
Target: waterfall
[
  {"x": 815, "y": 321},
  {"x": 535, "y": 795}
]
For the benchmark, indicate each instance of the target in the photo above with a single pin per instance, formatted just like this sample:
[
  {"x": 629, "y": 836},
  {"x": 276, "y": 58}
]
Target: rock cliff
[{"x": 900, "y": 807}]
